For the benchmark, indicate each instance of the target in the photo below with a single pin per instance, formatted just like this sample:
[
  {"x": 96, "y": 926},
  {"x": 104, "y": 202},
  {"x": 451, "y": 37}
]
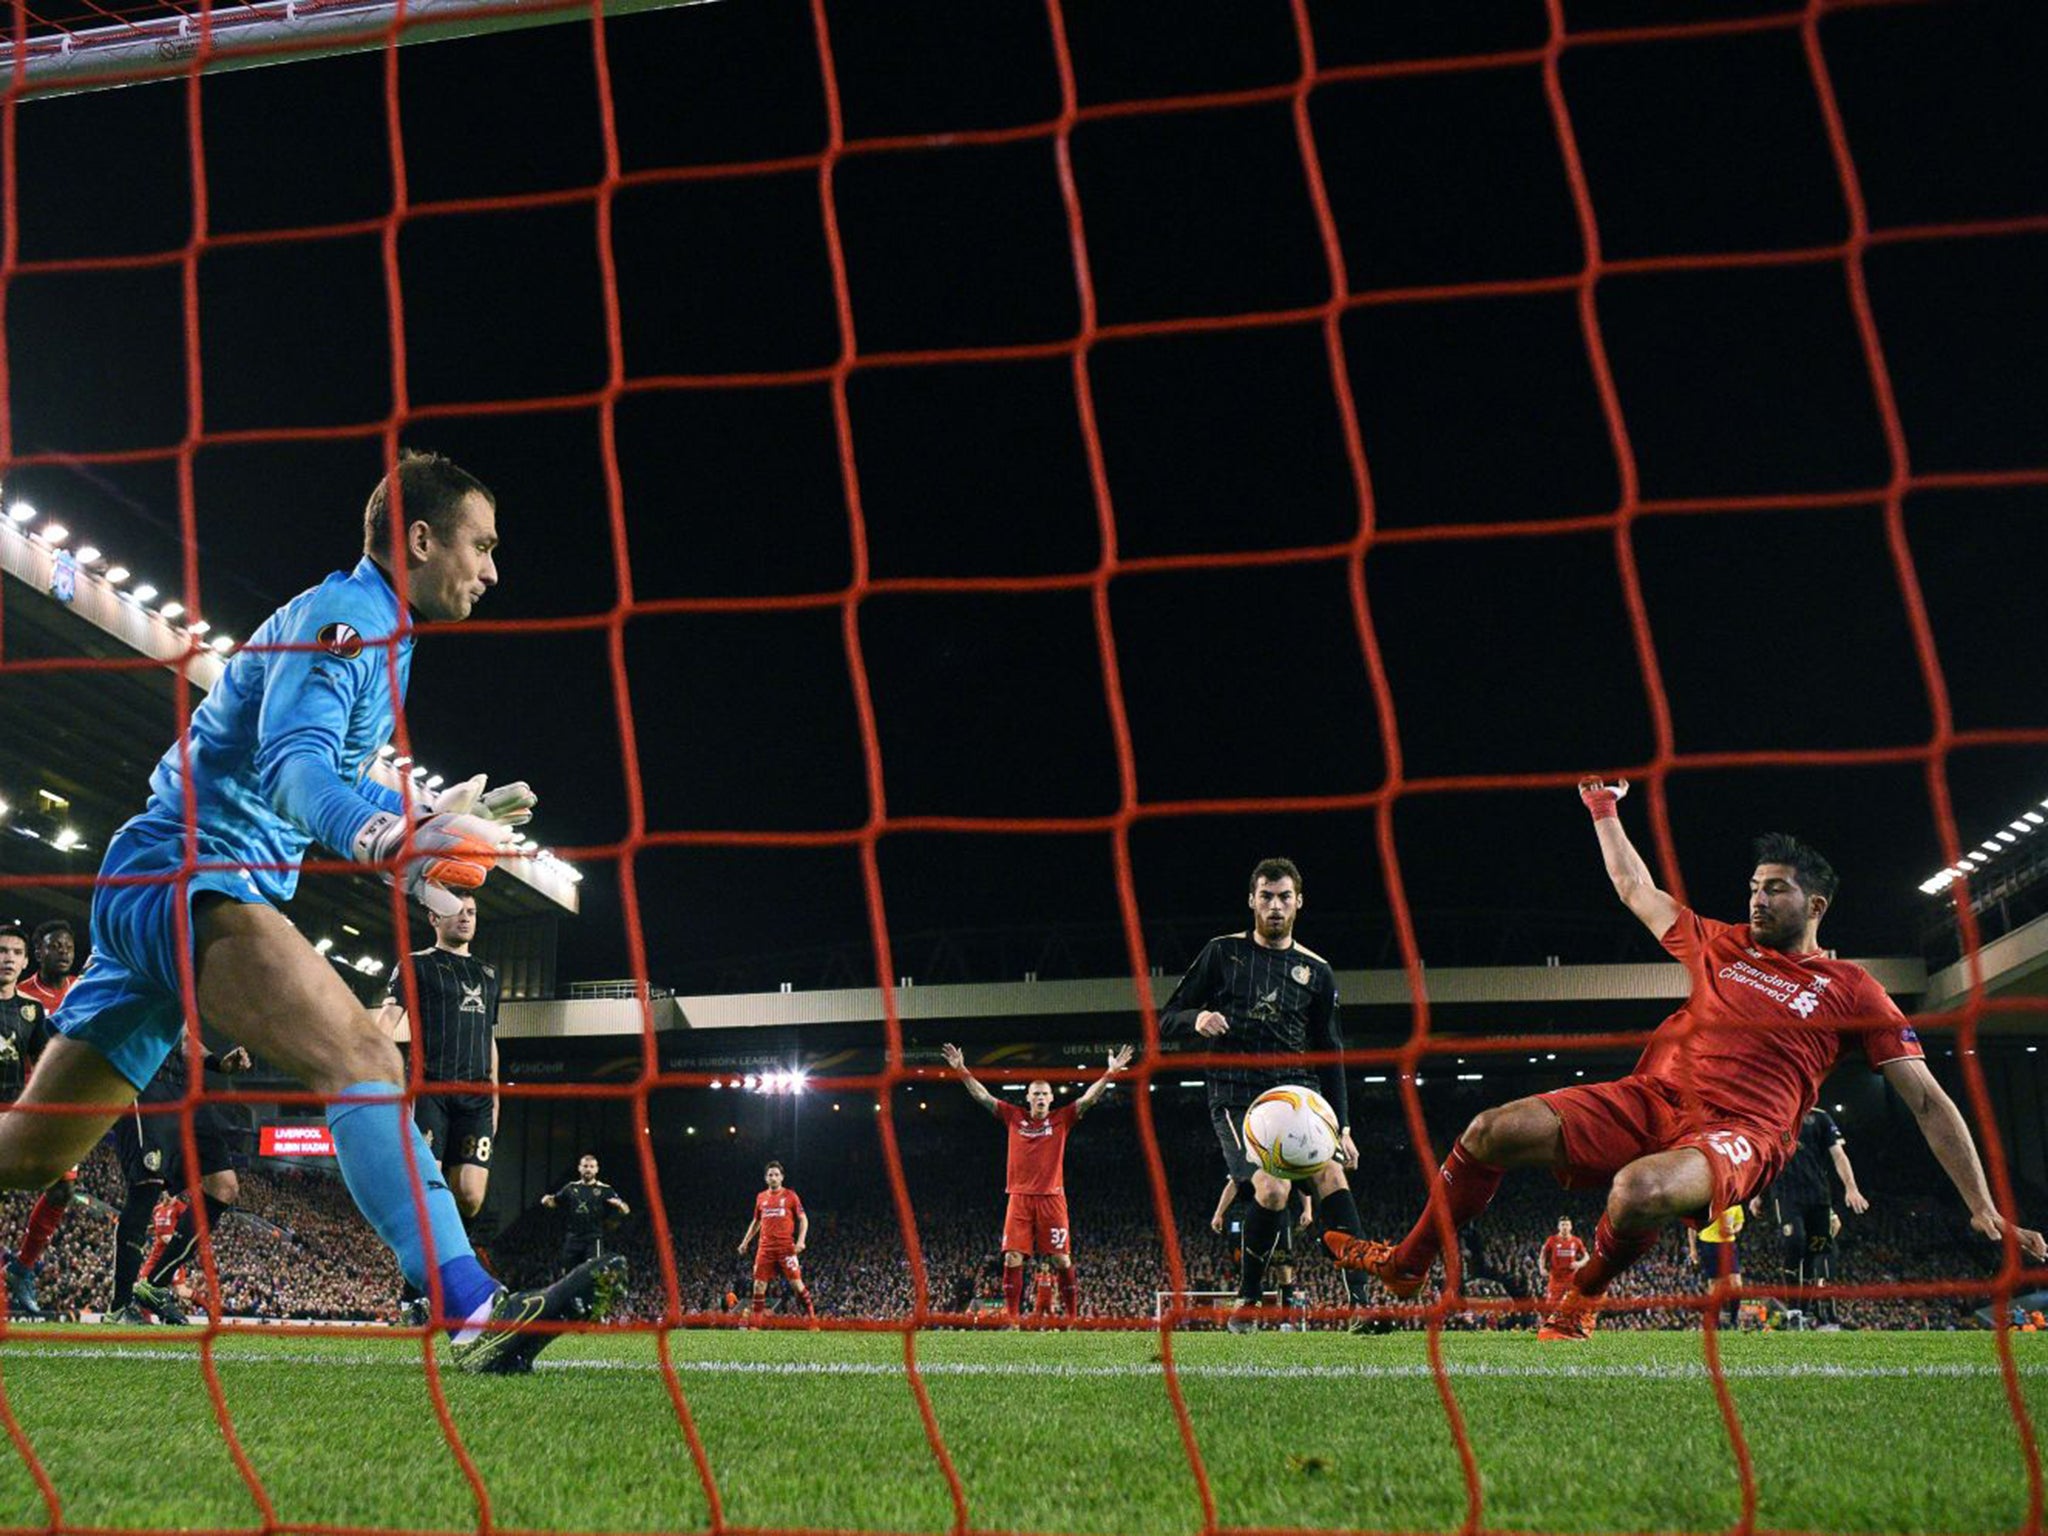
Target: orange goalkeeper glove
[{"x": 449, "y": 853}]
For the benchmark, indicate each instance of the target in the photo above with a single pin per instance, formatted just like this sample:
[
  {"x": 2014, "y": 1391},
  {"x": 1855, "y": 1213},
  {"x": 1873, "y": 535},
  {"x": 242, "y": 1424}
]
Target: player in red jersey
[
  {"x": 1562, "y": 1256},
  {"x": 784, "y": 1229},
  {"x": 1036, "y": 1221},
  {"x": 35, "y": 999},
  {"x": 1713, "y": 1107}
]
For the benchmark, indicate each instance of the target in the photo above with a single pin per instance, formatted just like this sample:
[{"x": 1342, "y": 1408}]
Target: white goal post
[{"x": 244, "y": 35}]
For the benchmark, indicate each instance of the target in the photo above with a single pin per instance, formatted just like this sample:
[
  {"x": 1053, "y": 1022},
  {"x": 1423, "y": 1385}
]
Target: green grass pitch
[{"x": 1047, "y": 1431}]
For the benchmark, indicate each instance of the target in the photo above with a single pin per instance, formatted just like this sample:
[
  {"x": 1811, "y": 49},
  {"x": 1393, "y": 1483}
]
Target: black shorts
[
  {"x": 579, "y": 1248},
  {"x": 152, "y": 1147},
  {"x": 1228, "y": 1120},
  {"x": 1806, "y": 1230},
  {"x": 457, "y": 1127}
]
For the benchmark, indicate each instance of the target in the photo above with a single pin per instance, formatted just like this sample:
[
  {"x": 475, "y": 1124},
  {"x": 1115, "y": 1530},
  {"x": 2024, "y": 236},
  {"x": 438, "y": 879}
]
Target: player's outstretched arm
[
  {"x": 1949, "y": 1139},
  {"x": 1852, "y": 1195},
  {"x": 1096, "y": 1089},
  {"x": 1655, "y": 909},
  {"x": 958, "y": 1062}
]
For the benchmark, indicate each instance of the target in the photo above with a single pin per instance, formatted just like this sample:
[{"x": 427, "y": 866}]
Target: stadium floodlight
[
  {"x": 223, "y": 643},
  {"x": 198, "y": 626},
  {"x": 751, "y": 1081},
  {"x": 715, "y": 1083},
  {"x": 22, "y": 512},
  {"x": 435, "y": 781},
  {"x": 386, "y": 750},
  {"x": 400, "y": 762},
  {"x": 323, "y": 946},
  {"x": 2007, "y": 838},
  {"x": 2022, "y": 826},
  {"x": 1376, "y": 1079},
  {"x": 88, "y": 554},
  {"x": 54, "y": 533},
  {"x": 144, "y": 593},
  {"x": 1471, "y": 1077},
  {"x": 114, "y": 575},
  {"x": 5, "y": 807},
  {"x": 2033, "y": 818},
  {"x": 170, "y": 610},
  {"x": 65, "y": 840}
]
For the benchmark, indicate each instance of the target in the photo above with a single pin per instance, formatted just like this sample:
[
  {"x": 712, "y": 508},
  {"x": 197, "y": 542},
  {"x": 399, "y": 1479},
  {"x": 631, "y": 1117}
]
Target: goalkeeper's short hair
[{"x": 432, "y": 488}]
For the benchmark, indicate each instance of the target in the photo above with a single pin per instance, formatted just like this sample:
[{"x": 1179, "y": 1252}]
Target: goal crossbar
[{"x": 165, "y": 45}]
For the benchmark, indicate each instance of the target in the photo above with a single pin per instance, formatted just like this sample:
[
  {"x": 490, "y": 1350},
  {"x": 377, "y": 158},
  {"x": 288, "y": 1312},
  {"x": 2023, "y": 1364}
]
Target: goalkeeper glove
[
  {"x": 509, "y": 805},
  {"x": 1602, "y": 799},
  {"x": 450, "y": 853}
]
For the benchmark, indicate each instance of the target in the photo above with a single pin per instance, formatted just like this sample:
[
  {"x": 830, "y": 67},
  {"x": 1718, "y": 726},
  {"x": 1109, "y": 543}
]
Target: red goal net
[{"x": 1373, "y": 351}]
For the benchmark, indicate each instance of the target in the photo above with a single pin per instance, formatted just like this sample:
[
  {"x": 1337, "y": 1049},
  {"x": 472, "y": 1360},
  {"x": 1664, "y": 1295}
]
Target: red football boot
[{"x": 1375, "y": 1259}]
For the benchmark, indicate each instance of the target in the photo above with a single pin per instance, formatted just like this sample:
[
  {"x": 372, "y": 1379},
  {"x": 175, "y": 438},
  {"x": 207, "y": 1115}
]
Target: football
[{"x": 1290, "y": 1132}]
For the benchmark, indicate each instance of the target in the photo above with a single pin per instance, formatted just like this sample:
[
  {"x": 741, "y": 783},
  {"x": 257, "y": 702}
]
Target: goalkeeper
[{"x": 276, "y": 758}]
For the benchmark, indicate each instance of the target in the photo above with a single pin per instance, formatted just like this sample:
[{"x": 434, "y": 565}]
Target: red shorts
[
  {"x": 1555, "y": 1292},
  {"x": 1037, "y": 1224},
  {"x": 771, "y": 1261},
  {"x": 1607, "y": 1126}
]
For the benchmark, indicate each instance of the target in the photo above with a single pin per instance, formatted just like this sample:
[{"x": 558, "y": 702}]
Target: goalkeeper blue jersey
[{"x": 280, "y": 747}]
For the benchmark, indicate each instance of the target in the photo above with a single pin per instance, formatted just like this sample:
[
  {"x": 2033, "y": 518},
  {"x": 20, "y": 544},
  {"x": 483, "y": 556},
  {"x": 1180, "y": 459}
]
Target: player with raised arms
[
  {"x": 278, "y": 757},
  {"x": 1035, "y": 1176},
  {"x": 1711, "y": 1110}
]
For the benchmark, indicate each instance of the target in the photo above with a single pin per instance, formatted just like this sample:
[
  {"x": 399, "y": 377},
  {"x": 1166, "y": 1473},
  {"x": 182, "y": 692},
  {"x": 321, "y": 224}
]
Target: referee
[
  {"x": 1261, "y": 993},
  {"x": 456, "y": 1042}
]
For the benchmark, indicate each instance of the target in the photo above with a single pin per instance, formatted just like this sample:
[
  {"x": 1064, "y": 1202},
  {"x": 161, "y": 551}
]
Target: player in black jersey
[
  {"x": 152, "y": 1152},
  {"x": 1260, "y": 992},
  {"x": 456, "y": 1042},
  {"x": 587, "y": 1200},
  {"x": 1802, "y": 1205}
]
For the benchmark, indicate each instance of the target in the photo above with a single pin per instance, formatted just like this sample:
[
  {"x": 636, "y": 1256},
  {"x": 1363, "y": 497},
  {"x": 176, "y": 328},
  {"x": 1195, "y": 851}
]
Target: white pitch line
[{"x": 1415, "y": 1371}]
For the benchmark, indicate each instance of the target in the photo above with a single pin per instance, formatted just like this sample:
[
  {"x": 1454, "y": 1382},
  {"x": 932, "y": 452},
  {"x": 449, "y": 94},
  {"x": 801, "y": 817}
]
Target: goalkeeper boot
[
  {"x": 21, "y": 1290},
  {"x": 161, "y": 1300},
  {"x": 1572, "y": 1320},
  {"x": 1375, "y": 1259},
  {"x": 507, "y": 1342}
]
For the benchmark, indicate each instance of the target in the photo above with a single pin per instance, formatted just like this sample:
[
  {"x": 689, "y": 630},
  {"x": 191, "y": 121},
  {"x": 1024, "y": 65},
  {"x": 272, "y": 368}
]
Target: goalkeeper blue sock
[{"x": 372, "y": 1158}]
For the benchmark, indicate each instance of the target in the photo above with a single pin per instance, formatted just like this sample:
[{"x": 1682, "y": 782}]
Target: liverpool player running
[
  {"x": 783, "y": 1228},
  {"x": 1036, "y": 1221},
  {"x": 1262, "y": 992},
  {"x": 1562, "y": 1256},
  {"x": 1709, "y": 1114}
]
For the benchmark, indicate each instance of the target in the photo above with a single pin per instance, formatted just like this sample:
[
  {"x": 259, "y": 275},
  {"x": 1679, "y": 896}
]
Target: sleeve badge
[{"x": 341, "y": 640}]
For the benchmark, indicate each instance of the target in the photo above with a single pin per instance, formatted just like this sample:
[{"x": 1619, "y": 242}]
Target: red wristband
[{"x": 1603, "y": 802}]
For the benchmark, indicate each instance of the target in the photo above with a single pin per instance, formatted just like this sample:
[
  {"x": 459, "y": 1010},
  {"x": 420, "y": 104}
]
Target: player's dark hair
[
  {"x": 432, "y": 487},
  {"x": 1817, "y": 876},
  {"x": 52, "y": 925},
  {"x": 1276, "y": 869},
  {"x": 14, "y": 931},
  {"x": 776, "y": 1166}
]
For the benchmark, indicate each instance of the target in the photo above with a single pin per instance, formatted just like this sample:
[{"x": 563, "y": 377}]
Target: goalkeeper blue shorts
[{"x": 129, "y": 1004}]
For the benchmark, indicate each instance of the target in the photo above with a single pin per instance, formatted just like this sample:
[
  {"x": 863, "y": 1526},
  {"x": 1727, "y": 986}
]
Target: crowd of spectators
[{"x": 296, "y": 1248}]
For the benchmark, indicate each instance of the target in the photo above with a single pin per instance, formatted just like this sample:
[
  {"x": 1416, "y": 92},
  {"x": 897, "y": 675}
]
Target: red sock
[
  {"x": 1013, "y": 1289},
  {"x": 1464, "y": 1187},
  {"x": 809, "y": 1310},
  {"x": 43, "y": 1223},
  {"x": 760, "y": 1304},
  {"x": 1070, "y": 1291},
  {"x": 1612, "y": 1253}
]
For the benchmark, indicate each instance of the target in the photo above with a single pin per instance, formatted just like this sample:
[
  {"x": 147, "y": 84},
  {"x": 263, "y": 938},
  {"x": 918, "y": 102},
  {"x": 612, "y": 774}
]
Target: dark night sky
[{"x": 1774, "y": 630}]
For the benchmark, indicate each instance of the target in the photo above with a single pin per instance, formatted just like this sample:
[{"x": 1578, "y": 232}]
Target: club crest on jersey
[
  {"x": 341, "y": 640},
  {"x": 1300, "y": 974}
]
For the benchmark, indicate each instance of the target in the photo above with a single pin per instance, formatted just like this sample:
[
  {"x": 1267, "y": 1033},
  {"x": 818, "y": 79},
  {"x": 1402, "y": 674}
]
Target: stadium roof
[{"x": 82, "y": 743}]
